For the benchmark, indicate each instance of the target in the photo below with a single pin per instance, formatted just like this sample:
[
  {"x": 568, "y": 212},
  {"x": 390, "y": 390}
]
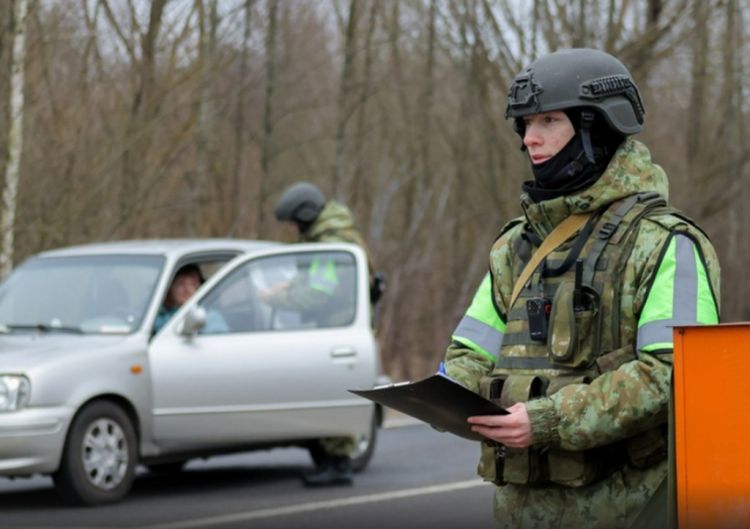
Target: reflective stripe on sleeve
[
  {"x": 478, "y": 336},
  {"x": 481, "y": 328},
  {"x": 680, "y": 295}
]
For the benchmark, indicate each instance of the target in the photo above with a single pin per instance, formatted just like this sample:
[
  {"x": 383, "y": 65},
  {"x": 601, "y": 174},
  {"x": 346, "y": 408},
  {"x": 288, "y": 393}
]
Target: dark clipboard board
[{"x": 436, "y": 400}]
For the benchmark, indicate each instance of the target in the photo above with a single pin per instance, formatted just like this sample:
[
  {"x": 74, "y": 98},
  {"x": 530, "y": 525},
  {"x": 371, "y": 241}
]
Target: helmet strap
[{"x": 587, "y": 120}]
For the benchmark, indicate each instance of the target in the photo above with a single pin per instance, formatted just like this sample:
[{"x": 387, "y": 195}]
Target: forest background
[{"x": 188, "y": 118}]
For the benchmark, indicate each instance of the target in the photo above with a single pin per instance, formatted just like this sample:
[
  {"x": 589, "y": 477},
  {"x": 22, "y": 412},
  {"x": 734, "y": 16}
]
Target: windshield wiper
[{"x": 42, "y": 327}]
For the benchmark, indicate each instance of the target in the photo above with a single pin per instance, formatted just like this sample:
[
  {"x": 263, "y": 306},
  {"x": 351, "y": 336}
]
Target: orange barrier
[{"x": 712, "y": 426}]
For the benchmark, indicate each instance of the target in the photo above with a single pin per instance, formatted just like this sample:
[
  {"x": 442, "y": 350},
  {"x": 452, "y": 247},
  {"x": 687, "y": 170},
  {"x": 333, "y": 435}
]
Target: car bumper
[{"x": 31, "y": 440}]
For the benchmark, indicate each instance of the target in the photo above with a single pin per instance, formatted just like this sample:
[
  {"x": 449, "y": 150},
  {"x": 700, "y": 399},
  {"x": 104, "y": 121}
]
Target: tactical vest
[{"x": 573, "y": 298}]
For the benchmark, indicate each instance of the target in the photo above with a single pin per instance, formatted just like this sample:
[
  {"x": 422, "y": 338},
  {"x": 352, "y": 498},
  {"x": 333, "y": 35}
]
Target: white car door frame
[{"x": 225, "y": 389}]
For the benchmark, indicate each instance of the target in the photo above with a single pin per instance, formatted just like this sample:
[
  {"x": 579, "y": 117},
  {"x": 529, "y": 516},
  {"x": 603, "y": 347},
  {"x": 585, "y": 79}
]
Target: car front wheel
[{"x": 99, "y": 458}]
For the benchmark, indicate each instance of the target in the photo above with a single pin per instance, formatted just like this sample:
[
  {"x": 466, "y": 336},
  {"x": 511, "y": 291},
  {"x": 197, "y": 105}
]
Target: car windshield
[{"x": 93, "y": 294}]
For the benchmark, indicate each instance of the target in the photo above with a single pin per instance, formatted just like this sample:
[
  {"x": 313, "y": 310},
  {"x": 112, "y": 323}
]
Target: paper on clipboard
[{"x": 436, "y": 400}]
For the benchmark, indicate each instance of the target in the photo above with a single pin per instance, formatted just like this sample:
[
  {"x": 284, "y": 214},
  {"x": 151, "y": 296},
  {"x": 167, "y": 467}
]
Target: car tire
[
  {"x": 365, "y": 446},
  {"x": 99, "y": 458}
]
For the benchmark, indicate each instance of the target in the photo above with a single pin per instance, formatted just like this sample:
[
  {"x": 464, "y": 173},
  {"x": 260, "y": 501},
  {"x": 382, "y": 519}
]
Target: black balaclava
[{"x": 580, "y": 163}]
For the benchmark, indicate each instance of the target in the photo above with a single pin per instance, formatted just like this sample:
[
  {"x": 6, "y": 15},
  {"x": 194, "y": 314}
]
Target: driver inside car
[{"x": 185, "y": 283}]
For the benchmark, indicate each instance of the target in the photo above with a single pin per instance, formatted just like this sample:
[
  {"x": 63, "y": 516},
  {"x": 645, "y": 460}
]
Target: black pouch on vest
[
  {"x": 537, "y": 312},
  {"x": 524, "y": 466}
]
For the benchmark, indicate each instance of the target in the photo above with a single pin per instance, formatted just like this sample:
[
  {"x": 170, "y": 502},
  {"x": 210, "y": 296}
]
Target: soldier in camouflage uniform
[
  {"x": 316, "y": 220},
  {"x": 582, "y": 355}
]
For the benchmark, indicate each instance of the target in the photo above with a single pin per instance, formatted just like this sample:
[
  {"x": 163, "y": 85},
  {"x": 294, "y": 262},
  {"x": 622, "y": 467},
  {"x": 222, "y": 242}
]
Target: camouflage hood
[
  {"x": 334, "y": 218},
  {"x": 630, "y": 171}
]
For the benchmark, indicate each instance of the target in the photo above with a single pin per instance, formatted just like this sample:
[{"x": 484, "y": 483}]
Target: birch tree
[{"x": 15, "y": 136}]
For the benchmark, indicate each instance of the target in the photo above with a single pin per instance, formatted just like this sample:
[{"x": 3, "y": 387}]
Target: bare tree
[
  {"x": 15, "y": 136},
  {"x": 158, "y": 118},
  {"x": 268, "y": 116},
  {"x": 360, "y": 134},
  {"x": 699, "y": 82},
  {"x": 240, "y": 125},
  {"x": 145, "y": 105},
  {"x": 208, "y": 21},
  {"x": 344, "y": 106}
]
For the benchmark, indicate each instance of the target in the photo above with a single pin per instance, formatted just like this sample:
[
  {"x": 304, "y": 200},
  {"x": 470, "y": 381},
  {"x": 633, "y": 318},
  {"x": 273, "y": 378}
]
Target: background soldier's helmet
[
  {"x": 301, "y": 203},
  {"x": 578, "y": 77}
]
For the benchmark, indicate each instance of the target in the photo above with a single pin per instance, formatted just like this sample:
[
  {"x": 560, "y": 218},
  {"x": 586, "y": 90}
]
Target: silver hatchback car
[{"x": 88, "y": 389}]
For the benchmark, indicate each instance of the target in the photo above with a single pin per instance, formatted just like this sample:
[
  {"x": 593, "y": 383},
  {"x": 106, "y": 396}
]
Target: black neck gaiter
[{"x": 570, "y": 170}]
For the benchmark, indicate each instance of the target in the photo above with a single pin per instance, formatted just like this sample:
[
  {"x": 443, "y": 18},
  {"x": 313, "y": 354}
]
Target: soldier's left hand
[{"x": 513, "y": 430}]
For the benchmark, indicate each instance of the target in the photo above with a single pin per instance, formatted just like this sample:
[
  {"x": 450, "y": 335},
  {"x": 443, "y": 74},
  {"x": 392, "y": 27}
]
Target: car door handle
[{"x": 342, "y": 352}]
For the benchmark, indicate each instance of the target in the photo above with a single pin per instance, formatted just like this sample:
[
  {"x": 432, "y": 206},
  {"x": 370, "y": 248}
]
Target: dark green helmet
[
  {"x": 301, "y": 203},
  {"x": 578, "y": 77}
]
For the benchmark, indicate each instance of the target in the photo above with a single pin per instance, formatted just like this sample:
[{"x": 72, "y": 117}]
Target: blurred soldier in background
[
  {"x": 571, "y": 329},
  {"x": 305, "y": 207}
]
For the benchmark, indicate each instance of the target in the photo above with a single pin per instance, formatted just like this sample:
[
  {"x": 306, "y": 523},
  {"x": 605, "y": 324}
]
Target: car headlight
[{"x": 14, "y": 392}]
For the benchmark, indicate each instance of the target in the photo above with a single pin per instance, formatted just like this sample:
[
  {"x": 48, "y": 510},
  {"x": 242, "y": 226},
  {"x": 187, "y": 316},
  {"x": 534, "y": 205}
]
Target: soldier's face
[
  {"x": 546, "y": 134},
  {"x": 291, "y": 231}
]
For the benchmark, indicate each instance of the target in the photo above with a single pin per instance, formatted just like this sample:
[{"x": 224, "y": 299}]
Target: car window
[
  {"x": 305, "y": 290},
  {"x": 201, "y": 267},
  {"x": 209, "y": 268},
  {"x": 88, "y": 293}
]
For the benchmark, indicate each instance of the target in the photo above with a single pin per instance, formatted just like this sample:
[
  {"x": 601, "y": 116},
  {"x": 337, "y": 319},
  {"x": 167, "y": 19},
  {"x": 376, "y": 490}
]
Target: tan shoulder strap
[{"x": 559, "y": 235}]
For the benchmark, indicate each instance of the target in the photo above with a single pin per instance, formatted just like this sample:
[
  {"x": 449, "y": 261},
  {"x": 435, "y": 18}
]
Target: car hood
[{"x": 19, "y": 352}]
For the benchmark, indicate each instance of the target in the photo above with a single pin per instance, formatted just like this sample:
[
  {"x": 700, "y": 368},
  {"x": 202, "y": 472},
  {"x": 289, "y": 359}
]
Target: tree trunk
[
  {"x": 206, "y": 174},
  {"x": 428, "y": 94},
  {"x": 409, "y": 193},
  {"x": 698, "y": 87},
  {"x": 144, "y": 109},
  {"x": 343, "y": 111},
  {"x": 729, "y": 134},
  {"x": 239, "y": 125},
  {"x": 360, "y": 140},
  {"x": 15, "y": 136},
  {"x": 265, "y": 159}
]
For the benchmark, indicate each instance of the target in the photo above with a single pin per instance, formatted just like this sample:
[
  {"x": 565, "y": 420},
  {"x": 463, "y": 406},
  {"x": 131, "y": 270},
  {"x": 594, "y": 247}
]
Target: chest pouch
[
  {"x": 574, "y": 326},
  {"x": 501, "y": 464},
  {"x": 492, "y": 455}
]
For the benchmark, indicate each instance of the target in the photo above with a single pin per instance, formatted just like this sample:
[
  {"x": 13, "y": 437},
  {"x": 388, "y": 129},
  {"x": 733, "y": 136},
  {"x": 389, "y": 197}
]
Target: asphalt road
[{"x": 418, "y": 478}]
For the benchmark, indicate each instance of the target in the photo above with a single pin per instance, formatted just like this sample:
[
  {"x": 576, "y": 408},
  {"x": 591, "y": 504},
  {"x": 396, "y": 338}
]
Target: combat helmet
[
  {"x": 300, "y": 203},
  {"x": 578, "y": 77}
]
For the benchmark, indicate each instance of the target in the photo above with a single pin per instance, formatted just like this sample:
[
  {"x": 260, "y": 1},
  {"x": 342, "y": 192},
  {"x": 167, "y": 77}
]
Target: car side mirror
[{"x": 194, "y": 321}]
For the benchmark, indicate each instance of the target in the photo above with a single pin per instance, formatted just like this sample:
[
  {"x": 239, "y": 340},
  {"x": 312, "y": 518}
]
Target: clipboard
[{"x": 437, "y": 400}]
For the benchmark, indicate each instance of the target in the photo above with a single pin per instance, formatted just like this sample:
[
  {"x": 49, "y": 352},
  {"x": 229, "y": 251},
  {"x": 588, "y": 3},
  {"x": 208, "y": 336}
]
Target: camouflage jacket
[
  {"x": 632, "y": 398},
  {"x": 334, "y": 224}
]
